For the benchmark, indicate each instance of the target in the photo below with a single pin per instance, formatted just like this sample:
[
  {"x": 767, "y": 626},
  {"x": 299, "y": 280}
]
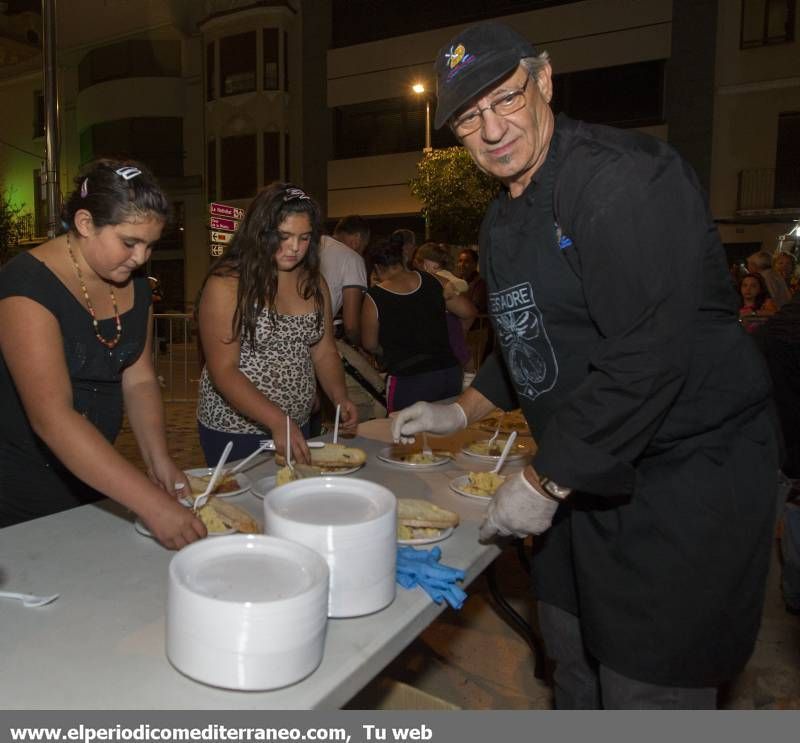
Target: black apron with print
[{"x": 627, "y": 566}]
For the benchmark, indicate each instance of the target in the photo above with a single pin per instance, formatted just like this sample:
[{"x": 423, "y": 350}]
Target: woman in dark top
[
  {"x": 75, "y": 344},
  {"x": 403, "y": 322}
]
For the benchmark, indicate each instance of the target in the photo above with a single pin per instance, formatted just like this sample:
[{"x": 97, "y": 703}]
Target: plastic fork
[
  {"x": 29, "y": 599},
  {"x": 201, "y": 499},
  {"x": 269, "y": 444},
  {"x": 261, "y": 447},
  {"x": 492, "y": 439}
]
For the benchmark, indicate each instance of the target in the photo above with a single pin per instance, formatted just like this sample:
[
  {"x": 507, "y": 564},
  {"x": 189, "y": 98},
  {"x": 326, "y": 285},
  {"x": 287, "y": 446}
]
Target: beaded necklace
[{"x": 107, "y": 343}]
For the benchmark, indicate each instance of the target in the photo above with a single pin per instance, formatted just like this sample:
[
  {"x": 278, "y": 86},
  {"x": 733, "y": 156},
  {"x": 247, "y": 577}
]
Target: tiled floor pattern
[{"x": 473, "y": 659}]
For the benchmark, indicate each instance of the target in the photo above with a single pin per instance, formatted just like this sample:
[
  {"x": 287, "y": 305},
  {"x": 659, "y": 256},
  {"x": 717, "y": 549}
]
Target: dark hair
[
  {"x": 384, "y": 252},
  {"x": 352, "y": 224},
  {"x": 251, "y": 256},
  {"x": 473, "y": 254},
  {"x": 436, "y": 252},
  {"x": 113, "y": 191},
  {"x": 763, "y": 293}
]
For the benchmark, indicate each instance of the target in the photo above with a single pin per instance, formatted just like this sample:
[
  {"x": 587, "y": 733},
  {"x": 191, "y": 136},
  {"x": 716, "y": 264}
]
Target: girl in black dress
[{"x": 75, "y": 345}]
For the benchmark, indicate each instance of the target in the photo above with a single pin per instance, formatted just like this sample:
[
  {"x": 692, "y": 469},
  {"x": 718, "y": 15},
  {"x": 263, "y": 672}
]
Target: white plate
[
  {"x": 259, "y": 488},
  {"x": 519, "y": 452},
  {"x": 385, "y": 455},
  {"x": 338, "y": 472},
  {"x": 458, "y": 486},
  {"x": 428, "y": 540},
  {"x": 145, "y": 532},
  {"x": 242, "y": 480}
]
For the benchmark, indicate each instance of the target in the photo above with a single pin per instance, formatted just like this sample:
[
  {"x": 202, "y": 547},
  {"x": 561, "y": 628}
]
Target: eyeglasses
[{"x": 505, "y": 105}]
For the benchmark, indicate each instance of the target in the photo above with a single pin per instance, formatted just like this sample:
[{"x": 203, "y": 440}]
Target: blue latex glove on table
[{"x": 422, "y": 568}]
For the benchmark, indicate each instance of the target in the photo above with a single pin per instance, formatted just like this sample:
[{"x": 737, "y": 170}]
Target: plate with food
[
  {"x": 219, "y": 518},
  {"x": 490, "y": 451},
  {"x": 505, "y": 422},
  {"x": 478, "y": 485},
  {"x": 228, "y": 485},
  {"x": 422, "y": 522},
  {"x": 333, "y": 459},
  {"x": 415, "y": 459}
]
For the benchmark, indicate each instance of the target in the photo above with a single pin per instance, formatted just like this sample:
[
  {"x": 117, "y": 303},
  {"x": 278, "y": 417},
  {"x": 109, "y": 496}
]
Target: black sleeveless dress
[{"x": 33, "y": 482}]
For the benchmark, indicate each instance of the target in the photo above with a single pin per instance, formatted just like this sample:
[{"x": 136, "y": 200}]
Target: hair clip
[
  {"x": 85, "y": 188},
  {"x": 295, "y": 193},
  {"x": 127, "y": 172}
]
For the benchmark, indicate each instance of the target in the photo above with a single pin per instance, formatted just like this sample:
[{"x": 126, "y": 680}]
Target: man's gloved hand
[
  {"x": 517, "y": 509},
  {"x": 425, "y": 416}
]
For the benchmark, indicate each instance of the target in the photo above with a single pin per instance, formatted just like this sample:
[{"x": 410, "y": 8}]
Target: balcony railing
[{"x": 769, "y": 189}]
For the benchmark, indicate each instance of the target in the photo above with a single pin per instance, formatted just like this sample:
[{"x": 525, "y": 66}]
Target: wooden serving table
[{"x": 101, "y": 644}]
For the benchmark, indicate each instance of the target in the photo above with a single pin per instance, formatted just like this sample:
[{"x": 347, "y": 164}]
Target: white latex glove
[
  {"x": 518, "y": 509},
  {"x": 425, "y": 416}
]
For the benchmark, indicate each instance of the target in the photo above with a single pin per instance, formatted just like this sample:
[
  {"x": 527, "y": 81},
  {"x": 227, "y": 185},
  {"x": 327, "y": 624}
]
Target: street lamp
[{"x": 419, "y": 89}]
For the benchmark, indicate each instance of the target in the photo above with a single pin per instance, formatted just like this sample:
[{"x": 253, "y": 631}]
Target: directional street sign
[
  {"x": 220, "y": 223},
  {"x": 216, "y": 209},
  {"x": 220, "y": 237}
]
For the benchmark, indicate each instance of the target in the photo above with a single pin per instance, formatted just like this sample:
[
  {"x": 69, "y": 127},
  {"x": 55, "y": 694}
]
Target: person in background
[
  {"x": 467, "y": 269},
  {"x": 76, "y": 345},
  {"x": 784, "y": 265},
  {"x": 756, "y": 302},
  {"x": 761, "y": 263},
  {"x": 354, "y": 232},
  {"x": 344, "y": 271},
  {"x": 403, "y": 322},
  {"x": 461, "y": 313},
  {"x": 265, "y": 324},
  {"x": 653, "y": 488},
  {"x": 409, "y": 244}
]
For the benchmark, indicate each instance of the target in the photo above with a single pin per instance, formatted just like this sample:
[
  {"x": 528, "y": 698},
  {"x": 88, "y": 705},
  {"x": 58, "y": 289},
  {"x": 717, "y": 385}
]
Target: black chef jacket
[{"x": 617, "y": 335}]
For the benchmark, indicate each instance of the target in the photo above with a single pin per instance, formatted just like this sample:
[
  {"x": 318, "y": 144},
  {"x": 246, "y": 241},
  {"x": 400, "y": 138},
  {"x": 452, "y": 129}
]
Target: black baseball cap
[{"x": 474, "y": 59}]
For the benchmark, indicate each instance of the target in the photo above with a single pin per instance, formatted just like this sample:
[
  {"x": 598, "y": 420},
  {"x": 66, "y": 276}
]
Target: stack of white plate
[
  {"x": 352, "y": 524},
  {"x": 247, "y": 612}
]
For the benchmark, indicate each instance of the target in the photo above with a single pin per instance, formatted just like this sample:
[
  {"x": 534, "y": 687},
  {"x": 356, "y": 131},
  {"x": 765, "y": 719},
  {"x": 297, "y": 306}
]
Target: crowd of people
[{"x": 652, "y": 493}]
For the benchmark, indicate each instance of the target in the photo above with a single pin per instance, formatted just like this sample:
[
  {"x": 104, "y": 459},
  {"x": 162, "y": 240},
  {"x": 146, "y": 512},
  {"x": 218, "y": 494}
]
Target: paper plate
[
  {"x": 518, "y": 452},
  {"x": 458, "y": 484},
  {"x": 385, "y": 455},
  {"x": 428, "y": 540},
  {"x": 145, "y": 532},
  {"x": 241, "y": 479},
  {"x": 259, "y": 488}
]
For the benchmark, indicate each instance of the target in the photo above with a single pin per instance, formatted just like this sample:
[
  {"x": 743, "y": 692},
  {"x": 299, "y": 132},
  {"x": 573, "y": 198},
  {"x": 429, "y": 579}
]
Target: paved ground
[{"x": 473, "y": 659}]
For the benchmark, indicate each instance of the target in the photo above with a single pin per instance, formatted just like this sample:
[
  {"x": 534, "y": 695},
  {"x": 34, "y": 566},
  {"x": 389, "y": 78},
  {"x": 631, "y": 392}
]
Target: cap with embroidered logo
[{"x": 474, "y": 59}]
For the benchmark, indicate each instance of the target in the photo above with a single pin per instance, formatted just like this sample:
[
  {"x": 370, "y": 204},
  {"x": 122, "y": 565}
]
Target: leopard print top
[{"x": 281, "y": 368}]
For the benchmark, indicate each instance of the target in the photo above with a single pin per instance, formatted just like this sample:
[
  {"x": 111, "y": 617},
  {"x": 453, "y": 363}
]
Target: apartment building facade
[{"x": 220, "y": 97}]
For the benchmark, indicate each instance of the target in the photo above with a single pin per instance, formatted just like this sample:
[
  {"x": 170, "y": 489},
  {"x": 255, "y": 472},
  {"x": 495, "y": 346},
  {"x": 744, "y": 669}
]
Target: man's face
[
  {"x": 466, "y": 265},
  {"x": 512, "y": 148}
]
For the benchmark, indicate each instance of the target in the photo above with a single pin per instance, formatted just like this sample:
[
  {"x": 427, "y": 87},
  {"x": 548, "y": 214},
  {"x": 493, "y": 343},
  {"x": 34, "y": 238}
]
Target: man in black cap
[{"x": 654, "y": 483}]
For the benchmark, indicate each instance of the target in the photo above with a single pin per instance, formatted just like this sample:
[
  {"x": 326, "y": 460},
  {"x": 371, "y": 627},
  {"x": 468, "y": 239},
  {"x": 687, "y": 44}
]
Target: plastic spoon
[
  {"x": 29, "y": 599},
  {"x": 201, "y": 499},
  {"x": 507, "y": 448},
  {"x": 336, "y": 424},
  {"x": 289, "y": 444}
]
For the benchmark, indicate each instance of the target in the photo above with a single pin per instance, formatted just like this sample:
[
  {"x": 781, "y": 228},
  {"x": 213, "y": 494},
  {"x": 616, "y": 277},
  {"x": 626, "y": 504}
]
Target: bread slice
[
  {"x": 298, "y": 472},
  {"x": 333, "y": 456},
  {"x": 219, "y": 515},
  {"x": 226, "y": 484},
  {"x": 418, "y": 513}
]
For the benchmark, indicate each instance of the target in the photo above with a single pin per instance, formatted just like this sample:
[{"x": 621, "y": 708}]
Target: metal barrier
[{"x": 175, "y": 356}]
